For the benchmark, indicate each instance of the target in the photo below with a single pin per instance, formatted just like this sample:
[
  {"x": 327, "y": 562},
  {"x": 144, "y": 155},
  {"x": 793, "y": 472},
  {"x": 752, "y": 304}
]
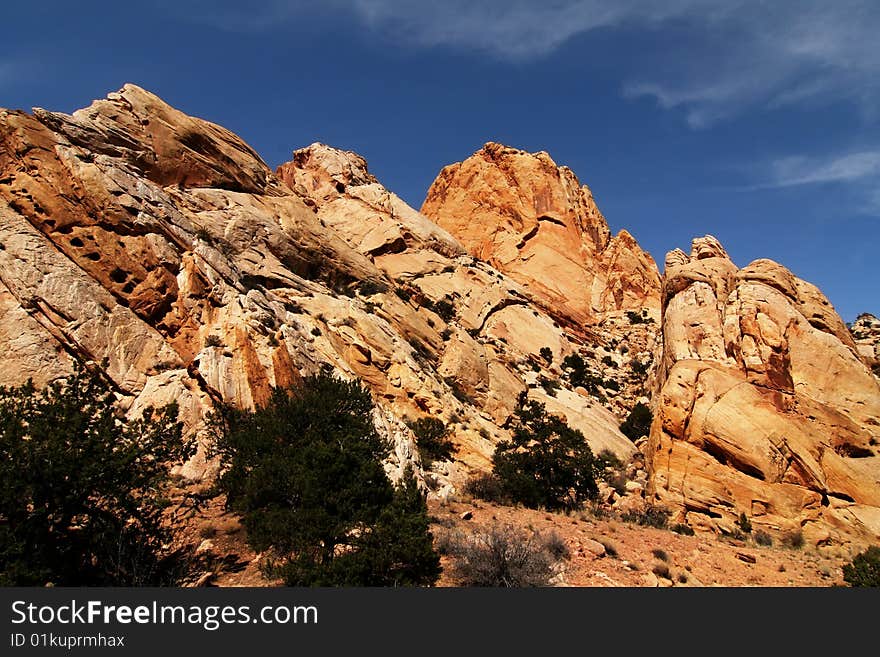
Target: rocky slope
[
  {"x": 765, "y": 407},
  {"x": 162, "y": 248},
  {"x": 535, "y": 222},
  {"x": 160, "y": 243}
]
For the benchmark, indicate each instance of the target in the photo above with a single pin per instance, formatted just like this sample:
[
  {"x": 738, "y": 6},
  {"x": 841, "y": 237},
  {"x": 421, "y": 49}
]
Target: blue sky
[{"x": 758, "y": 122}]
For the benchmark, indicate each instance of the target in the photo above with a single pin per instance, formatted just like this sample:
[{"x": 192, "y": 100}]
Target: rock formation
[
  {"x": 534, "y": 221},
  {"x": 765, "y": 406},
  {"x": 866, "y": 334},
  {"x": 163, "y": 247}
]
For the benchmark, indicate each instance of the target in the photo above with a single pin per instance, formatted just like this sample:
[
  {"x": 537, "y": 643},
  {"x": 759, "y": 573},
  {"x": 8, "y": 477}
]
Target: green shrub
[
  {"x": 445, "y": 309},
  {"x": 744, "y": 523},
  {"x": 637, "y": 423},
  {"x": 763, "y": 538},
  {"x": 547, "y": 354},
  {"x": 305, "y": 473},
  {"x": 546, "y": 463},
  {"x": 660, "y": 554},
  {"x": 575, "y": 371},
  {"x": 82, "y": 490},
  {"x": 213, "y": 341},
  {"x": 432, "y": 440},
  {"x": 608, "y": 459},
  {"x": 550, "y": 386},
  {"x": 369, "y": 288},
  {"x": 634, "y": 317},
  {"x": 864, "y": 569}
]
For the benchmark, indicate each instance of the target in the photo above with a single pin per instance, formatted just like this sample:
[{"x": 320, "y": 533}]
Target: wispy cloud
[
  {"x": 857, "y": 172},
  {"x": 799, "y": 170},
  {"x": 710, "y": 59},
  {"x": 713, "y": 60}
]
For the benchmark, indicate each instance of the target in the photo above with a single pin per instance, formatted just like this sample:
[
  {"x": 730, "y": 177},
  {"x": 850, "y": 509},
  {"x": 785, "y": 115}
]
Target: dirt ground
[{"x": 635, "y": 556}]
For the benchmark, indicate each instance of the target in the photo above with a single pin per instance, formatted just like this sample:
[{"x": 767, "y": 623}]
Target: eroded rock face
[
  {"x": 162, "y": 243},
  {"x": 765, "y": 407},
  {"x": 534, "y": 221},
  {"x": 866, "y": 334}
]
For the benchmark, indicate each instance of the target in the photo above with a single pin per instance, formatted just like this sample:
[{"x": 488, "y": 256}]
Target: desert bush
[
  {"x": 634, "y": 317},
  {"x": 660, "y": 554},
  {"x": 369, "y": 288},
  {"x": 744, "y": 523},
  {"x": 638, "y": 367},
  {"x": 683, "y": 529},
  {"x": 610, "y": 548},
  {"x": 661, "y": 570},
  {"x": 546, "y": 354},
  {"x": 550, "y": 386},
  {"x": 649, "y": 516},
  {"x": 485, "y": 487},
  {"x": 503, "y": 556},
  {"x": 762, "y": 538},
  {"x": 556, "y": 545},
  {"x": 213, "y": 341},
  {"x": 793, "y": 539},
  {"x": 445, "y": 309}
]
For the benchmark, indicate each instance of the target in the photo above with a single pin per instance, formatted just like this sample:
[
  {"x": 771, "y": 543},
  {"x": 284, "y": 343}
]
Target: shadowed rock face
[
  {"x": 534, "y": 221},
  {"x": 765, "y": 407},
  {"x": 161, "y": 243}
]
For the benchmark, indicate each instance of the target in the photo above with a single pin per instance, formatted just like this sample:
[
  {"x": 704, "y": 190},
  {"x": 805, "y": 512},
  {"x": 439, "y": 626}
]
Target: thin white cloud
[
  {"x": 859, "y": 171},
  {"x": 799, "y": 170},
  {"x": 710, "y": 59}
]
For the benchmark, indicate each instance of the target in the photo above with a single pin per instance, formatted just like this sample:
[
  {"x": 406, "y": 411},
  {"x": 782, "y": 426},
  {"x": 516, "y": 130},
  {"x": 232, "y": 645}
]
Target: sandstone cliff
[
  {"x": 765, "y": 406},
  {"x": 534, "y": 221},
  {"x": 160, "y": 244},
  {"x": 161, "y": 247}
]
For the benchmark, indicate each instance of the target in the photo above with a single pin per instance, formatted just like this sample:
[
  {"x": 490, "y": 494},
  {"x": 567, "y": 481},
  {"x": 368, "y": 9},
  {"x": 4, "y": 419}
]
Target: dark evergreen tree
[
  {"x": 546, "y": 463},
  {"x": 637, "y": 423},
  {"x": 305, "y": 473},
  {"x": 432, "y": 440},
  {"x": 81, "y": 489}
]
